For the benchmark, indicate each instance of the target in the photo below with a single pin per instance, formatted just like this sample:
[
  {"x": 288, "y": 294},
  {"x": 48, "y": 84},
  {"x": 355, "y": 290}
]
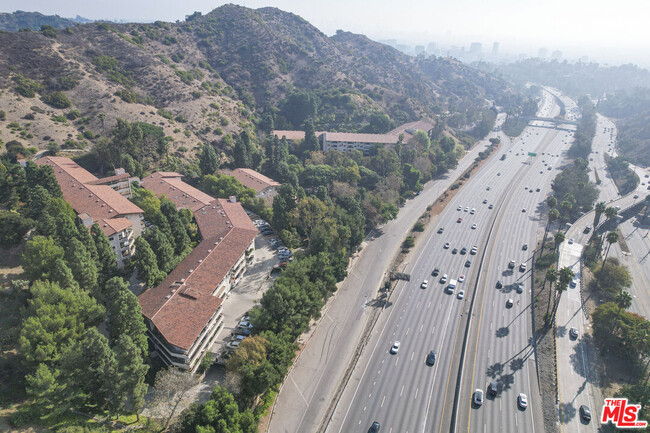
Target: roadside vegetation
[{"x": 625, "y": 179}]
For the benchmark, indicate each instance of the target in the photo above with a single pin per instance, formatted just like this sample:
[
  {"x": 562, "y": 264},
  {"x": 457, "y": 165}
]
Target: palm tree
[
  {"x": 559, "y": 238},
  {"x": 551, "y": 277},
  {"x": 610, "y": 213},
  {"x": 566, "y": 275},
  {"x": 599, "y": 208},
  {"x": 623, "y": 300},
  {"x": 553, "y": 215},
  {"x": 612, "y": 238}
]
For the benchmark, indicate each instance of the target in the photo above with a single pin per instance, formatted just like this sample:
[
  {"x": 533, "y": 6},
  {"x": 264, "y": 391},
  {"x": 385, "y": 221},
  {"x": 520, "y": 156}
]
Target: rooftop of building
[
  {"x": 100, "y": 202},
  {"x": 180, "y": 193},
  {"x": 253, "y": 179}
]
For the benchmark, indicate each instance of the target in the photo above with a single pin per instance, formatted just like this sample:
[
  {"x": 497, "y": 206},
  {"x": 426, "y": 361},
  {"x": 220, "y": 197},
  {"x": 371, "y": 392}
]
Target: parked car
[{"x": 585, "y": 413}]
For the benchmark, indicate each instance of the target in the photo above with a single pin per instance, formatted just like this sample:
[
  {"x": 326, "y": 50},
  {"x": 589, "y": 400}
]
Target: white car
[
  {"x": 474, "y": 226},
  {"x": 425, "y": 284},
  {"x": 571, "y": 241},
  {"x": 459, "y": 208},
  {"x": 461, "y": 294},
  {"x": 466, "y": 209},
  {"x": 395, "y": 348},
  {"x": 461, "y": 278},
  {"x": 472, "y": 212},
  {"x": 478, "y": 397},
  {"x": 522, "y": 400}
]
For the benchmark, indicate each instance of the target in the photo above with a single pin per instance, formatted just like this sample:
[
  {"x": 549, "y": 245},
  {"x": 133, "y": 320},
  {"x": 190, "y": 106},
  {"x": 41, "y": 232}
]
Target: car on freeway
[
  {"x": 484, "y": 201},
  {"x": 425, "y": 284},
  {"x": 461, "y": 294},
  {"x": 499, "y": 284},
  {"x": 466, "y": 209},
  {"x": 522, "y": 400},
  {"x": 459, "y": 220},
  {"x": 491, "y": 206},
  {"x": 474, "y": 226},
  {"x": 585, "y": 413},
  {"x": 443, "y": 279},
  {"x": 441, "y": 229},
  {"x": 530, "y": 190},
  {"x": 525, "y": 187},
  {"x": 522, "y": 267},
  {"x": 463, "y": 250},
  {"x": 473, "y": 211},
  {"x": 493, "y": 389},
  {"x": 431, "y": 358},
  {"x": 473, "y": 250},
  {"x": 511, "y": 264},
  {"x": 587, "y": 230},
  {"x": 435, "y": 272},
  {"x": 573, "y": 333},
  {"x": 571, "y": 241},
  {"x": 549, "y": 168},
  {"x": 461, "y": 278},
  {"x": 524, "y": 247},
  {"x": 523, "y": 210},
  {"x": 509, "y": 303},
  {"x": 520, "y": 287},
  {"x": 478, "y": 397},
  {"x": 374, "y": 428},
  {"x": 468, "y": 263},
  {"x": 447, "y": 245},
  {"x": 395, "y": 348},
  {"x": 459, "y": 208},
  {"x": 454, "y": 251},
  {"x": 499, "y": 174},
  {"x": 537, "y": 190}
]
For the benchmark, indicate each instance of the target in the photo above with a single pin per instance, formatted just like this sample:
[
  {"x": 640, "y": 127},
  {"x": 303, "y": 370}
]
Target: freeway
[
  {"x": 305, "y": 396},
  {"x": 577, "y": 384},
  {"x": 499, "y": 348},
  {"x": 400, "y": 390}
]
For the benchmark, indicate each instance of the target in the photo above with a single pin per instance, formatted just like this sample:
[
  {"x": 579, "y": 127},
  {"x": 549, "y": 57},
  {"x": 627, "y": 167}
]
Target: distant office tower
[
  {"x": 419, "y": 49},
  {"x": 432, "y": 48},
  {"x": 495, "y": 48},
  {"x": 475, "y": 47},
  {"x": 556, "y": 55},
  {"x": 543, "y": 52}
]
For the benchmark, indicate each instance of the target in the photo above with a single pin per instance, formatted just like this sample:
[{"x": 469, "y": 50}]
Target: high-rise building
[
  {"x": 495, "y": 48},
  {"x": 556, "y": 55},
  {"x": 543, "y": 52},
  {"x": 432, "y": 48},
  {"x": 419, "y": 49},
  {"x": 475, "y": 47}
]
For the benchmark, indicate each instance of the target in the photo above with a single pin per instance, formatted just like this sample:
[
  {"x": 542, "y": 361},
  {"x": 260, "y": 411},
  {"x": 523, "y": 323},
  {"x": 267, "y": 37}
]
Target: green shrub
[
  {"x": 25, "y": 86},
  {"x": 56, "y": 100},
  {"x": 73, "y": 114},
  {"x": 48, "y": 31},
  {"x": 418, "y": 227},
  {"x": 547, "y": 260},
  {"x": 409, "y": 242},
  {"x": 3, "y": 115}
]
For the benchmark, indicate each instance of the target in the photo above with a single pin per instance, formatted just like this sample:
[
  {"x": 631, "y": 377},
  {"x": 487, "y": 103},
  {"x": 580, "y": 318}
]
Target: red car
[{"x": 459, "y": 220}]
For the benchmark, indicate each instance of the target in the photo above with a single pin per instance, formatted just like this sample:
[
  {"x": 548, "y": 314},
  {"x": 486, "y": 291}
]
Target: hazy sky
[{"x": 606, "y": 30}]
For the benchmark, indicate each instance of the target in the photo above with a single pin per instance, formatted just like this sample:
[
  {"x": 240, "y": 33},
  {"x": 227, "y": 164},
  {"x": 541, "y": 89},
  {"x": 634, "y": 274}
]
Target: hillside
[
  {"x": 34, "y": 20},
  {"x": 208, "y": 78}
]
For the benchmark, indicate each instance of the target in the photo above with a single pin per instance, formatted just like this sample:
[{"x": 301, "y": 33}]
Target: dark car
[
  {"x": 493, "y": 389},
  {"x": 374, "y": 428},
  {"x": 454, "y": 251},
  {"x": 463, "y": 250},
  {"x": 468, "y": 264},
  {"x": 441, "y": 229},
  {"x": 435, "y": 272},
  {"x": 499, "y": 284},
  {"x": 585, "y": 413},
  {"x": 524, "y": 247},
  {"x": 431, "y": 358}
]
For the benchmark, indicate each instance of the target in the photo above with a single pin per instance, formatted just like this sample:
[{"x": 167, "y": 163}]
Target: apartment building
[
  {"x": 96, "y": 201},
  {"x": 184, "y": 313},
  {"x": 264, "y": 186}
]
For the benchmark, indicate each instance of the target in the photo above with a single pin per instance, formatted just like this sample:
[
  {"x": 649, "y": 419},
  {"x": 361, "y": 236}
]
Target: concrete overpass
[{"x": 556, "y": 120}]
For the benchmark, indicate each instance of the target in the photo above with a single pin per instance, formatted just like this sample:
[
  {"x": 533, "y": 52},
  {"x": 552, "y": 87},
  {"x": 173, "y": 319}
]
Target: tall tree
[
  {"x": 106, "y": 257},
  {"x": 624, "y": 301},
  {"x": 551, "y": 277},
  {"x": 599, "y": 209},
  {"x": 162, "y": 248},
  {"x": 209, "y": 160},
  {"x": 243, "y": 150},
  {"x": 83, "y": 267},
  {"x": 169, "y": 389},
  {"x": 612, "y": 238},
  {"x": 310, "y": 144},
  {"x": 565, "y": 276},
  {"x": 180, "y": 239},
  {"x": 145, "y": 262},
  {"x": 553, "y": 215},
  {"x": 47, "y": 390},
  {"x": 129, "y": 383},
  {"x": 125, "y": 315},
  {"x": 40, "y": 256},
  {"x": 558, "y": 238},
  {"x": 62, "y": 274}
]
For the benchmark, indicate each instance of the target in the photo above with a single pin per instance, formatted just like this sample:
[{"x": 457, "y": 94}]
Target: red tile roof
[
  {"x": 181, "y": 306},
  {"x": 290, "y": 135},
  {"x": 354, "y": 137},
  {"x": 252, "y": 179},
  {"x": 109, "y": 179},
  {"x": 100, "y": 202},
  {"x": 410, "y": 128},
  {"x": 180, "y": 193}
]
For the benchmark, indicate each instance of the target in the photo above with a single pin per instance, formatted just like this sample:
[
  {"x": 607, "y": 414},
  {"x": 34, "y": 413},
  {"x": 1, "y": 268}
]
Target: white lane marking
[
  {"x": 382, "y": 401},
  {"x": 412, "y": 355},
  {"x": 402, "y": 391},
  {"x": 429, "y": 306},
  {"x": 416, "y": 393},
  {"x": 418, "y": 305},
  {"x": 396, "y": 361},
  {"x": 421, "y": 326},
  {"x": 407, "y": 331}
]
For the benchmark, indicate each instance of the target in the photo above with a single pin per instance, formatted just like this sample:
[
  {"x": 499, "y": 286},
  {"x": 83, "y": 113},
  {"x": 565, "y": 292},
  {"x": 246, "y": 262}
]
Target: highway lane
[
  {"x": 500, "y": 335},
  {"x": 307, "y": 391},
  {"x": 399, "y": 390}
]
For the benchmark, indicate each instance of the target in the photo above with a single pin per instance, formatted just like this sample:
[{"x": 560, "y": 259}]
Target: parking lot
[{"x": 257, "y": 279}]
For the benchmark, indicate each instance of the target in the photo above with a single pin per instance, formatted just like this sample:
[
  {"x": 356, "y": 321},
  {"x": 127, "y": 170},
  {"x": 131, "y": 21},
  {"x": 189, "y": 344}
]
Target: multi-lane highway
[{"x": 399, "y": 390}]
